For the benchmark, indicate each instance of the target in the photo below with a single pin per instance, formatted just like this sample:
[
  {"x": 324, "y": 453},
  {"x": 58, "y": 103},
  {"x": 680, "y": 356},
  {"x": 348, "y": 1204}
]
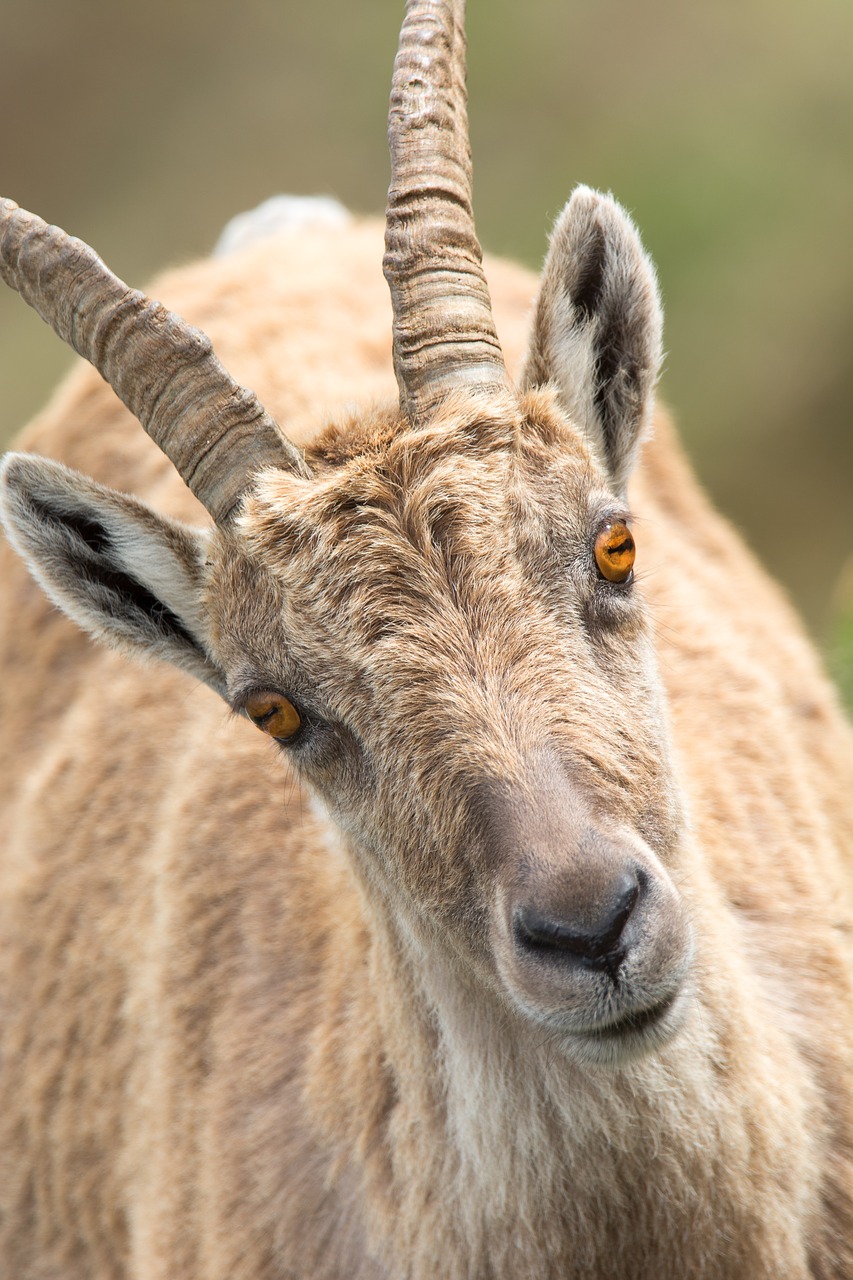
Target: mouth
[
  {"x": 633, "y": 1023},
  {"x": 630, "y": 1034}
]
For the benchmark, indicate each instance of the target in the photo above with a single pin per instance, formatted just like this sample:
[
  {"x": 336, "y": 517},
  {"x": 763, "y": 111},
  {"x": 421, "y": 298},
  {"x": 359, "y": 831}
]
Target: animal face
[{"x": 476, "y": 703}]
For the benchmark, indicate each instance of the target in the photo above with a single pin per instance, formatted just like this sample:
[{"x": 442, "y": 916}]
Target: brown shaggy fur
[{"x": 248, "y": 1033}]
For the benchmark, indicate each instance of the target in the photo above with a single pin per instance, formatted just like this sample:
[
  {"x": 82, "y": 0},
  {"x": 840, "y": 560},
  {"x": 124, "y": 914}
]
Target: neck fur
[{"x": 486, "y": 1152}]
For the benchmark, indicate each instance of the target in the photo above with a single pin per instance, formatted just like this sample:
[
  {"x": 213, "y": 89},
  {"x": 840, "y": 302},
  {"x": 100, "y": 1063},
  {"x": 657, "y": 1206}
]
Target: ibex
[{"x": 526, "y": 949}]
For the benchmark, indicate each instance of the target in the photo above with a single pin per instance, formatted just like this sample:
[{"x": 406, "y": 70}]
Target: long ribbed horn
[
  {"x": 444, "y": 334},
  {"x": 216, "y": 432}
]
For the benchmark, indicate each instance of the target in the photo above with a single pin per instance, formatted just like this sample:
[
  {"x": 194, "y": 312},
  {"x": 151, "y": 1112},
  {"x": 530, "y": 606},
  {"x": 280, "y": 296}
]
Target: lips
[{"x": 632, "y": 1023}]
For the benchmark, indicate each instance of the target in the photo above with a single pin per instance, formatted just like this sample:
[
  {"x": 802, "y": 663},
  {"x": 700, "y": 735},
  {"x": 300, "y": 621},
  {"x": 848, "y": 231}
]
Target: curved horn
[
  {"x": 214, "y": 431},
  {"x": 444, "y": 334}
]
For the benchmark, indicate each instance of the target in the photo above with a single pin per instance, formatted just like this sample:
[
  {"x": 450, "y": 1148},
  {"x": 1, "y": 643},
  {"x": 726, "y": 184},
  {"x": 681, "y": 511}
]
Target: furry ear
[
  {"x": 597, "y": 328},
  {"x": 125, "y": 574}
]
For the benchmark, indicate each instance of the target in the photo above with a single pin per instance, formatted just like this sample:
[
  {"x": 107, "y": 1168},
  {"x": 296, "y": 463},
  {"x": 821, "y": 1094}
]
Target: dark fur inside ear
[
  {"x": 597, "y": 328},
  {"x": 588, "y": 285},
  {"x": 130, "y": 594},
  {"x": 99, "y": 562},
  {"x": 125, "y": 574},
  {"x": 92, "y": 534}
]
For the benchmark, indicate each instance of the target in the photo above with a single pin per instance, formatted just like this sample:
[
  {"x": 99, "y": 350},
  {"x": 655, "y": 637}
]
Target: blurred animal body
[{"x": 518, "y": 943}]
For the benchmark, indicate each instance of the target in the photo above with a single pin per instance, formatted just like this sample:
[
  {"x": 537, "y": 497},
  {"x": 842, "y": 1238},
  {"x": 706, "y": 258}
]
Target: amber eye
[
  {"x": 275, "y": 714},
  {"x": 615, "y": 551}
]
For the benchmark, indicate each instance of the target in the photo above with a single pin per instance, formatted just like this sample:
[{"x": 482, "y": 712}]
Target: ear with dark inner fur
[
  {"x": 597, "y": 328},
  {"x": 130, "y": 577}
]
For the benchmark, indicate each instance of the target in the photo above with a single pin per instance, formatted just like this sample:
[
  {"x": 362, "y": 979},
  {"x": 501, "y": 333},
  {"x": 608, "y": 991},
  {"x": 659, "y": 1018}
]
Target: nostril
[{"x": 598, "y": 943}]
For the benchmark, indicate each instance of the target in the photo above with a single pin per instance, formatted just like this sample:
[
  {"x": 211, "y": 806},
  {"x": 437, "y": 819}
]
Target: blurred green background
[{"x": 726, "y": 128}]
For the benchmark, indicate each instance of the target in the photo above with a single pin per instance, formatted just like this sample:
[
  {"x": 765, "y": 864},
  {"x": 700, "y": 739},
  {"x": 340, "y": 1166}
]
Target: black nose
[{"x": 598, "y": 943}]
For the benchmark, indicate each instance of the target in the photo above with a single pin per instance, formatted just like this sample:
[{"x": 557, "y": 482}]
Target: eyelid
[
  {"x": 609, "y": 515},
  {"x": 252, "y": 688}
]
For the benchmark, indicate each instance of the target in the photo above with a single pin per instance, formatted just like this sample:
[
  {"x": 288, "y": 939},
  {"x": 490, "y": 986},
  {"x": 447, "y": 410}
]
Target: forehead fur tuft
[{"x": 413, "y": 482}]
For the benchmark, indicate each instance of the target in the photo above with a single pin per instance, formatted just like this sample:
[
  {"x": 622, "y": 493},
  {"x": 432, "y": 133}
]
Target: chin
[{"x": 631, "y": 1036}]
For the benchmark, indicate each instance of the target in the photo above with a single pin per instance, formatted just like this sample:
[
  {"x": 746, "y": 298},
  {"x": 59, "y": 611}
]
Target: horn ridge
[
  {"x": 164, "y": 370},
  {"x": 444, "y": 333}
]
